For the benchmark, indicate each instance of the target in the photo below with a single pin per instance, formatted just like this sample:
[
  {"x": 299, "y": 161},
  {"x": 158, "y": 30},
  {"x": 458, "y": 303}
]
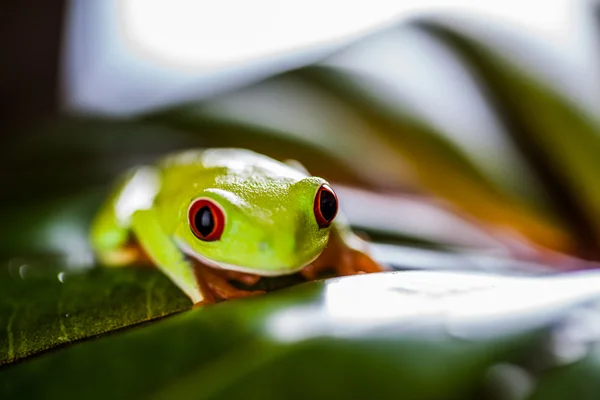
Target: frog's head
[{"x": 261, "y": 227}]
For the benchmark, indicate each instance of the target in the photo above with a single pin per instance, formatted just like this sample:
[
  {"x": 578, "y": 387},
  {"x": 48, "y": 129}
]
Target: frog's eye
[
  {"x": 326, "y": 206},
  {"x": 206, "y": 219}
]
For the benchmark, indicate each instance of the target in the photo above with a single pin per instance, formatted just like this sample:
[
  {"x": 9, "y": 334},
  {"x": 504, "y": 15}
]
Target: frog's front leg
[
  {"x": 166, "y": 255},
  {"x": 345, "y": 254},
  {"x": 201, "y": 283}
]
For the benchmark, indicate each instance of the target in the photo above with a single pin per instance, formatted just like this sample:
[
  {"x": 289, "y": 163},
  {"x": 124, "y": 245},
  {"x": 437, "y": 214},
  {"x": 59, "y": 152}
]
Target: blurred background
[
  {"x": 451, "y": 124},
  {"x": 460, "y": 135}
]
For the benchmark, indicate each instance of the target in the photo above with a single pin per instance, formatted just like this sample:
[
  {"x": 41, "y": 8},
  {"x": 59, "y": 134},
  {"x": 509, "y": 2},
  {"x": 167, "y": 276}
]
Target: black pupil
[
  {"x": 204, "y": 220},
  {"x": 328, "y": 205}
]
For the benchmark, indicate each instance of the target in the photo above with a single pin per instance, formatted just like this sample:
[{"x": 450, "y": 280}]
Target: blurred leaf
[
  {"x": 578, "y": 380},
  {"x": 560, "y": 143},
  {"x": 440, "y": 166},
  {"x": 63, "y": 156},
  {"x": 223, "y": 133}
]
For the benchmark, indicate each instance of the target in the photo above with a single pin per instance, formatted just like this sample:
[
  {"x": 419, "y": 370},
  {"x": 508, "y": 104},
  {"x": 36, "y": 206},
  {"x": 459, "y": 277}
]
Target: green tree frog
[{"x": 208, "y": 217}]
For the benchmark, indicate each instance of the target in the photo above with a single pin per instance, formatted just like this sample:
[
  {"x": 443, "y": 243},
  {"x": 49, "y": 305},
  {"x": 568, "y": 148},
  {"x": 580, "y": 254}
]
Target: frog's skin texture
[{"x": 269, "y": 223}]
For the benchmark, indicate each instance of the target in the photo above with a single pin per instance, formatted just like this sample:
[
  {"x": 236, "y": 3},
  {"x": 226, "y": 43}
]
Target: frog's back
[{"x": 205, "y": 164}]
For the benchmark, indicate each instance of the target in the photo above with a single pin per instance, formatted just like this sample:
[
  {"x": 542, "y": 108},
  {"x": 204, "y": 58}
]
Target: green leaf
[
  {"x": 418, "y": 335},
  {"x": 298, "y": 342},
  {"x": 42, "y": 306}
]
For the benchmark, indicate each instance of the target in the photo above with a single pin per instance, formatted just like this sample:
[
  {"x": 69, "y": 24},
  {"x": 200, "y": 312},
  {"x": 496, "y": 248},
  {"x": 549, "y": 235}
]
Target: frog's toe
[
  {"x": 345, "y": 261},
  {"x": 218, "y": 285},
  {"x": 310, "y": 272},
  {"x": 241, "y": 277},
  {"x": 365, "y": 264},
  {"x": 203, "y": 303}
]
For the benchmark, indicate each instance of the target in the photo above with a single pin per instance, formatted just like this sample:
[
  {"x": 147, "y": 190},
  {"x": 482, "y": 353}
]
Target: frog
[{"x": 210, "y": 218}]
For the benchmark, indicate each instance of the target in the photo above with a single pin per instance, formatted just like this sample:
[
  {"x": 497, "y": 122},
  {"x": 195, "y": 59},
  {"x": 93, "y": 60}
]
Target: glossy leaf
[{"x": 391, "y": 334}]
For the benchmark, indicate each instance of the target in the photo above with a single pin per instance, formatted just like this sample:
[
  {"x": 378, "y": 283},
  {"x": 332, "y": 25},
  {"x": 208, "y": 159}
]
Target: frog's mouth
[{"x": 239, "y": 268}]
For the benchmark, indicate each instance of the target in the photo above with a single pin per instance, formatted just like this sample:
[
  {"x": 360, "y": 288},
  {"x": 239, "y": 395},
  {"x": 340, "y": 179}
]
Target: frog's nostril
[{"x": 263, "y": 246}]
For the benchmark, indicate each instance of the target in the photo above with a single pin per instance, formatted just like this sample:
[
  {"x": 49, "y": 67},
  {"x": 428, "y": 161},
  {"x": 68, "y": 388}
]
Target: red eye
[
  {"x": 206, "y": 219},
  {"x": 326, "y": 206}
]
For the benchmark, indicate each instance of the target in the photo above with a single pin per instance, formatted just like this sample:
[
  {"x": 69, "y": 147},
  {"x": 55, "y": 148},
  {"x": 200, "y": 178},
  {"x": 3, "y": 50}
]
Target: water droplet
[
  {"x": 23, "y": 270},
  {"x": 61, "y": 277},
  {"x": 573, "y": 338},
  {"x": 508, "y": 381},
  {"x": 67, "y": 315},
  {"x": 14, "y": 265}
]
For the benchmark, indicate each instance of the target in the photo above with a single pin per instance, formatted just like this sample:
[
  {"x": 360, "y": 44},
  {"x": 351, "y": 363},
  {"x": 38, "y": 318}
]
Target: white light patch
[
  {"x": 466, "y": 305},
  {"x": 227, "y": 195},
  {"x": 242, "y": 160},
  {"x": 212, "y": 34},
  {"x": 573, "y": 339},
  {"x": 138, "y": 194},
  {"x": 129, "y": 56},
  {"x": 68, "y": 237}
]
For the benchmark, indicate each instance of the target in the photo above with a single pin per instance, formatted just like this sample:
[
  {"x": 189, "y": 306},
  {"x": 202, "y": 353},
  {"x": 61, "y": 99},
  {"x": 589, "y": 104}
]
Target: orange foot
[
  {"x": 215, "y": 284},
  {"x": 342, "y": 259}
]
